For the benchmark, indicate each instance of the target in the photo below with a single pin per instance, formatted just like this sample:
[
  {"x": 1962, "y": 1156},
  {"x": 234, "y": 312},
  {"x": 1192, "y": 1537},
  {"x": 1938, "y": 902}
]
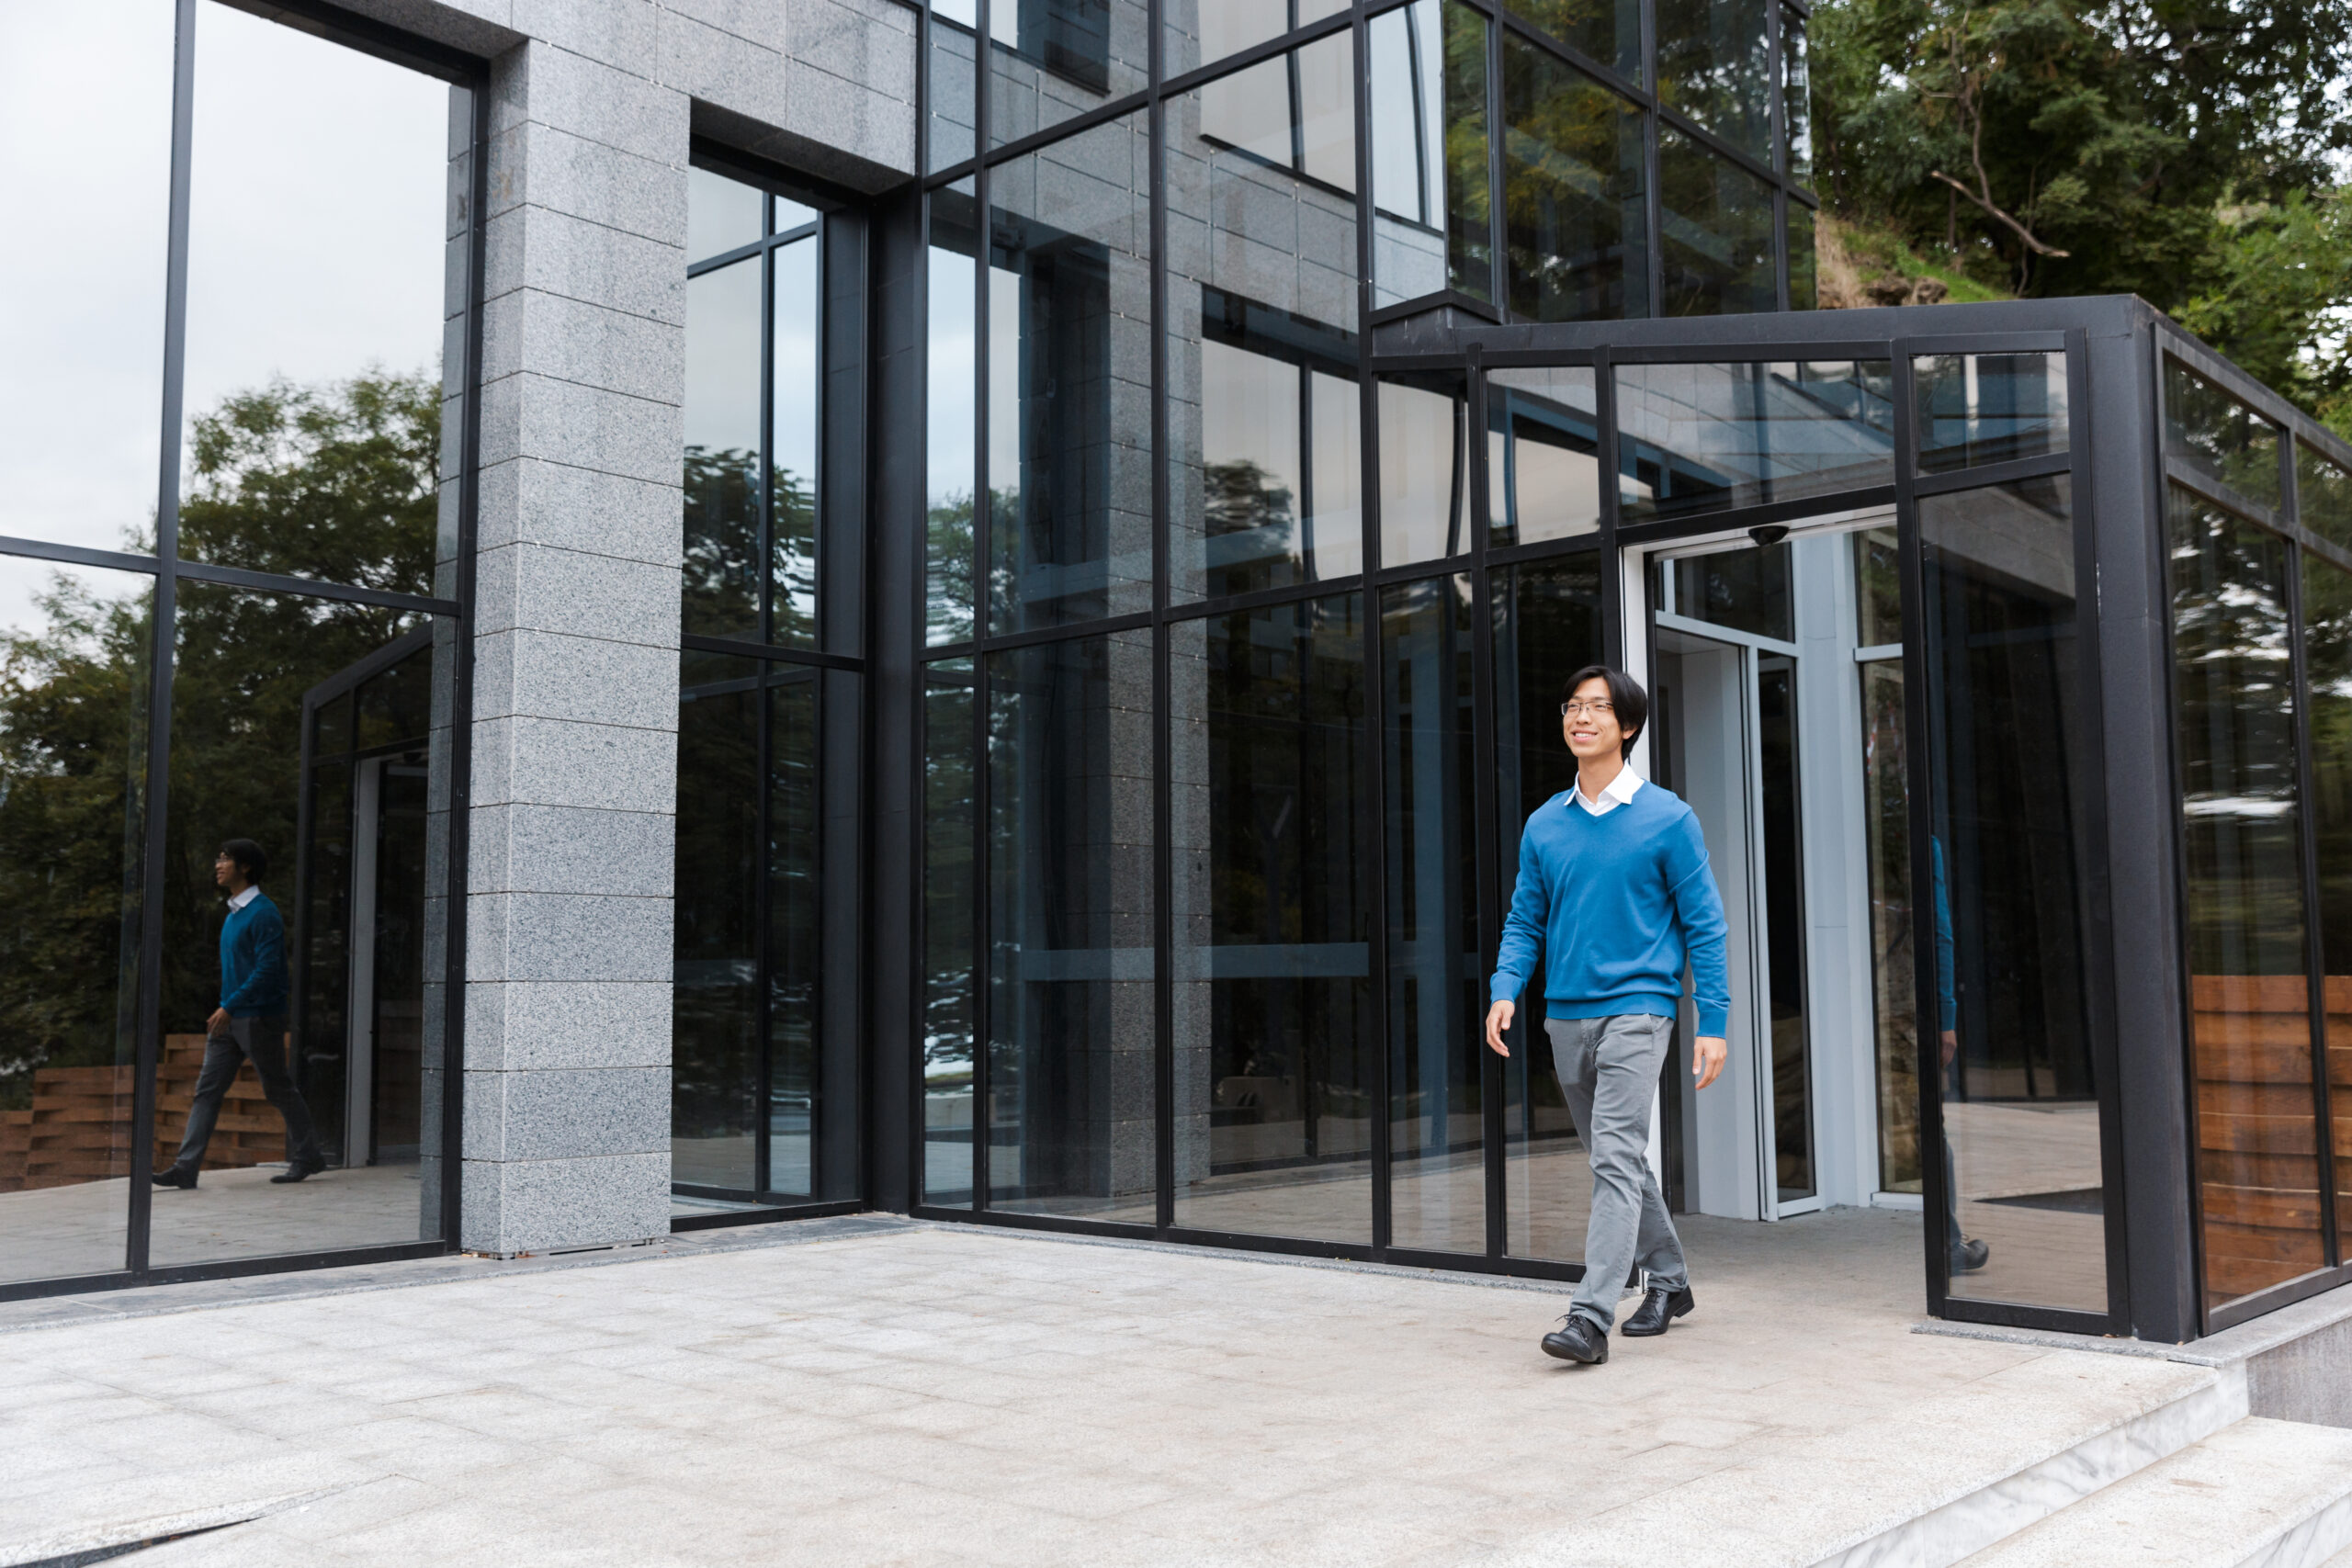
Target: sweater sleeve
[
  {"x": 1947, "y": 999},
  {"x": 1530, "y": 902},
  {"x": 265, "y": 976},
  {"x": 1700, "y": 908}
]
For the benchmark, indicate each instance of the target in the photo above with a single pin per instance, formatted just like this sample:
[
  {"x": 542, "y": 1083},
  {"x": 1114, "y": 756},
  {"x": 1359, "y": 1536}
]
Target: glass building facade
[{"x": 998, "y": 675}]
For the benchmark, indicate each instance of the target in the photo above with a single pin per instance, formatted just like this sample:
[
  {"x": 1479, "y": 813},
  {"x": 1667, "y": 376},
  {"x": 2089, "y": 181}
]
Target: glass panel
[
  {"x": 1470, "y": 182},
  {"x": 1069, "y": 380},
  {"x": 793, "y": 437},
  {"x": 1697, "y": 438},
  {"x": 1261, "y": 302},
  {"x": 288, "y": 319},
  {"x": 1546, "y": 624},
  {"x": 2219, "y": 437},
  {"x": 1776, "y": 711},
  {"x": 722, "y": 214},
  {"x": 1716, "y": 220},
  {"x": 85, "y": 180},
  {"x": 2327, "y": 661},
  {"x": 1609, "y": 31},
  {"x": 1424, "y": 468},
  {"x": 723, "y": 468},
  {"x": 2323, "y": 496},
  {"x": 1410, "y": 154},
  {"x": 1989, "y": 408},
  {"x": 1746, "y": 590},
  {"x": 1274, "y": 1040},
  {"x": 1070, "y": 936},
  {"x": 947, "y": 889},
  {"x": 2007, "y": 802},
  {"x": 310, "y": 738},
  {"x": 1878, "y": 590},
  {"x": 2258, "y": 1120},
  {"x": 950, "y": 388},
  {"x": 1887, "y": 824},
  {"x": 1804, "y": 273},
  {"x": 803, "y": 1102},
  {"x": 1202, "y": 32},
  {"x": 1796, "y": 103},
  {"x": 1057, "y": 59},
  {"x": 1436, "y": 987},
  {"x": 74, "y": 667},
  {"x": 715, "y": 1007},
  {"x": 1574, "y": 218},
  {"x": 952, "y": 100},
  {"x": 1543, "y": 455},
  {"x": 1715, "y": 64}
]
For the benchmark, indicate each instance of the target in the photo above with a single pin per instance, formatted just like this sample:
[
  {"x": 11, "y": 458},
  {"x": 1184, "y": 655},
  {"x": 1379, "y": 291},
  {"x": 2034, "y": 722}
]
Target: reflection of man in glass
[
  {"x": 1968, "y": 1255},
  {"x": 1615, "y": 889},
  {"x": 250, "y": 1023}
]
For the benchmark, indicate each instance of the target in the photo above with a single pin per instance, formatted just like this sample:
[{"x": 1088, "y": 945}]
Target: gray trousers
[
  {"x": 1609, "y": 1069},
  {"x": 261, "y": 1041}
]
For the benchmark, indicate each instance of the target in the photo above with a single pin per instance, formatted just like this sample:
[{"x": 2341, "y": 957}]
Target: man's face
[
  {"x": 224, "y": 871},
  {"x": 1590, "y": 724}
]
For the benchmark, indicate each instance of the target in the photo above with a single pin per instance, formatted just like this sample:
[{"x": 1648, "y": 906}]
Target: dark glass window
[
  {"x": 1894, "y": 1010},
  {"x": 1989, "y": 408},
  {"x": 1428, "y": 133},
  {"x": 2258, "y": 1180},
  {"x": 1436, "y": 983},
  {"x": 952, "y": 394},
  {"x": 951, "y": 98},
  {"x": 948, "y": 1080},
  {"x": 1804, "y": 277},
  {"x": 2323, "y": 496},
  {"x": 287, "y": 320},
  {"x": 722, "y": 465},
  {"x": 1424, "y": 468},
  {"x": 1716, "y": 232},
  {"x": 1696, "y": 438},
  {"x": 1746, "y": 589},
  {"x": 1070, "y": 1065},
  {"x": 1547, "y": 624},
  {"x": 2327, "y": 654},
  {"x": 1575, "y": 224},
  {"x": 1202, "y": 32},
  {"x": 2219, "y": 437},
  {"x": 1715, "y": 64},
  {"x": 2010, "y": 848},
  {"x": 1055, "y": 59},
  {"x": 1796, "y": 99},
  {"x": 1609, "y": 31},
  {"x": 1264, "y": 408},
  {"x": 84, "y": 378},
  {"x": 318, "y": 730},
  {"x": 1069, "y": 380},
  {"x": 1543, "y": 455},
  {"x": 74, "y": 667},
  {"x": 1272, "y": 969}
]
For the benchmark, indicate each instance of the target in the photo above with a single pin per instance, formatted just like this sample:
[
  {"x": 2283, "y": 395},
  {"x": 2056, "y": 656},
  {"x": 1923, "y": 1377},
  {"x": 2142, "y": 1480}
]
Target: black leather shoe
[
  {"x": 298, "y": 1170},
  {"x": 1970, "y": 1255},
  {"x": 175, "y": 1176},
  {"x": 1578, "y": 1339},
  {"x": 1659, "y": 1307}
]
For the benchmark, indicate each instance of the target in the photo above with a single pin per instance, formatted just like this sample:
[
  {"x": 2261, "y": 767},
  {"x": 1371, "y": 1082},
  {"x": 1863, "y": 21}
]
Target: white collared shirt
[
  {"x": 253, "y": 891},
  {"x": 1616, "y": 793}
]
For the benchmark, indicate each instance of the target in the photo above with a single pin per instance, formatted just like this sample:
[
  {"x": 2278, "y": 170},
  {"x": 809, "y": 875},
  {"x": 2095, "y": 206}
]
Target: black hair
[
  {"x": 251, "y": 858},
  {"x": 1625, "y": 694}
]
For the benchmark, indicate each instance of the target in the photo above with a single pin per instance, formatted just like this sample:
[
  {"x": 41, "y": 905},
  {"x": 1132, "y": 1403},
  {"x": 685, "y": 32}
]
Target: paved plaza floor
[{"x": 875, "y": 1391}]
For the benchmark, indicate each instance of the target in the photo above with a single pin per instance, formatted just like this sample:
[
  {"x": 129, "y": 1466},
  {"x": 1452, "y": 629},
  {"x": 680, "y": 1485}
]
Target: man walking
[
  {"x": 249, "y": 1024},
  {"x": 1615, "y": 891}
]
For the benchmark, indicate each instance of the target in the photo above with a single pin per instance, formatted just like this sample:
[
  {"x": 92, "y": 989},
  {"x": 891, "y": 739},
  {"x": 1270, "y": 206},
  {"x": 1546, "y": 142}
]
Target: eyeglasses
[{"x": 1575, "y": 705}]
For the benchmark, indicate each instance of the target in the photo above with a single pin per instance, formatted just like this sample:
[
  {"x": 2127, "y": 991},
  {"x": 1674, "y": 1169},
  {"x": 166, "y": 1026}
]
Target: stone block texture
[{"x": 572, "y": 793}]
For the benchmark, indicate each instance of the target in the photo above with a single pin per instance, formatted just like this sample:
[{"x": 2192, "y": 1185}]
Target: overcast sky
[{"x": 318, "y": 207}]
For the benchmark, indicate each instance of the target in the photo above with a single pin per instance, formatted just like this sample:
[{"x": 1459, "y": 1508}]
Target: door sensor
[{"x": 1769, "y": 534}]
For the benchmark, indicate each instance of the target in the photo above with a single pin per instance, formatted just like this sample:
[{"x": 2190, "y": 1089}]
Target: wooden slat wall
[
  {"x": 2259, "y": 1126},
  {"x": 79, "y": 1128}
]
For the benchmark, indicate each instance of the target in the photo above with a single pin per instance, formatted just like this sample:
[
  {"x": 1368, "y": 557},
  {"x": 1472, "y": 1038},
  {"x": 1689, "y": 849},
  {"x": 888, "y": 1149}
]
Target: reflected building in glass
[{"x": 973, "y": 638}]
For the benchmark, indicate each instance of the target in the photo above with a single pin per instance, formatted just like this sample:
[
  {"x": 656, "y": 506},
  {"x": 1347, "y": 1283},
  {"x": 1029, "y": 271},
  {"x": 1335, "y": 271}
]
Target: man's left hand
[
  {"x": 217, "y": 1024},
  {"x": 1707, "y": 1054}
]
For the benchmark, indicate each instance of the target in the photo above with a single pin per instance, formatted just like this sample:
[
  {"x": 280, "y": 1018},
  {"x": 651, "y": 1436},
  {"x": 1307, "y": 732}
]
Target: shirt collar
[
  {"x": 1618, "y": 792},
  {"x": 253, "y": 891}
]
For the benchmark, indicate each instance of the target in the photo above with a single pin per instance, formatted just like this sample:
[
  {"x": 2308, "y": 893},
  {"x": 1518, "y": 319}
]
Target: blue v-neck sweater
[{"x": 1616, "y": 904}]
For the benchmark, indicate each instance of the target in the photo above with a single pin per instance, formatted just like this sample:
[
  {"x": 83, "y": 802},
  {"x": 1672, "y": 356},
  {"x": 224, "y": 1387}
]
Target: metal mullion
[
  {"x": 1920, "y": 784},
  {"x": 983, "y": 509},
  {"x": 741, "y": 648},
  {"x": 1374, "y": 827},
  {"x": 1612, "y": 586},
  {"x": 149, "y": 1001},
  {"x": 1992, "y": 474},
  {"x": 78, "y": 555},
  {"x": 728, "y": 258},
  {"x": 276, "y": 583},
  {"x": 766, "y": 547},
  {"x": 1163, "y": 867},
  {"x": 1484, "y": 803},
  {"x": 763, "y": 933},
  {"x": 2315, "y": 936},
  {"x": 1497, "y": 266},
  {"x": 1569, "y": 55},
  {"x": 1713, "y": 142},
  {"x": 1256, "y": 55}
]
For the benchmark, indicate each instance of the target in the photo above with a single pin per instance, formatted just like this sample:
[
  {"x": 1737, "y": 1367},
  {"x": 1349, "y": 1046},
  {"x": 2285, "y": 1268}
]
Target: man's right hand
[{"x": 1499, "y": 1018}]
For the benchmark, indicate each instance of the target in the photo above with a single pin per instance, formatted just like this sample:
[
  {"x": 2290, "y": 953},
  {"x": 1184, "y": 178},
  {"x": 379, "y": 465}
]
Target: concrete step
[{"x": 2259, "y": 1494}]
